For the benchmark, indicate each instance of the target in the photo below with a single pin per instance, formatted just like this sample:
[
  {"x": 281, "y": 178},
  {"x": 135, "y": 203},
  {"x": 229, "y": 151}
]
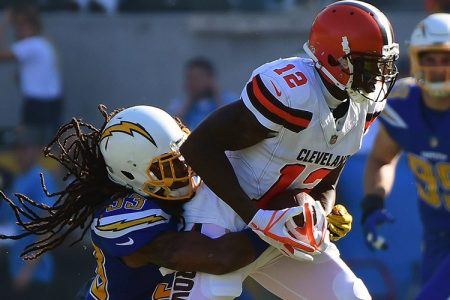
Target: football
[
  {"x": 285, "y": 199},
  {"x": 290, "y": 198}
]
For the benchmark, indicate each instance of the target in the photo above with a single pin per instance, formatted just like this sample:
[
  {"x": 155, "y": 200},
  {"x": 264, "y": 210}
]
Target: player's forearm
[
  {"x": 193, "y": 251},
  {"x": 213, "y": 166},
  {"x": 379, "y": 177},
  {"x": 216, "y": 256}
]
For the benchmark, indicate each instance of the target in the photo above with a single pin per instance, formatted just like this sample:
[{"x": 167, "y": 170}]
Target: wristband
[{"x": 370, "y": 203}]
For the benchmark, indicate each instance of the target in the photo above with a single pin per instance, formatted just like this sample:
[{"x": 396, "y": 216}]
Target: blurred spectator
[
  {"x": 39, "y": 77},
  {"x": 28, "y": 278},
  {"x": 202, "y": 93},
  {"x": 435, "y": 6}
]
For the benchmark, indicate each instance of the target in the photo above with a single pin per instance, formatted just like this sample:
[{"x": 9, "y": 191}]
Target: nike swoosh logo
[
  {"x": 276, "y": 89},
  {"x": 130, "y": 242}
]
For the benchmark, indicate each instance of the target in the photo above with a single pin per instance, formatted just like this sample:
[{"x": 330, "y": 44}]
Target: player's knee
[
  {"x": 350, "y": 289},
  {"x": 360, "y": 290}
]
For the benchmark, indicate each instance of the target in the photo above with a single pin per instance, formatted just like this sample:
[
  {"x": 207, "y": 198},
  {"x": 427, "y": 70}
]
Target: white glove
[
  {"x": 314, "y": 231},
  {"x": 270, "y": 225}
]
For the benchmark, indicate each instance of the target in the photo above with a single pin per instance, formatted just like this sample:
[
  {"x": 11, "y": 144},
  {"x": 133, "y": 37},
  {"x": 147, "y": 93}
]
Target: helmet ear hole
[{"x": 128, "y": 175}]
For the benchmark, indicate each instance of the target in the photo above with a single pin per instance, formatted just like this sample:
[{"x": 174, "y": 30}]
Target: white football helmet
[
  {"x": 431, "y": 34},
  {"x": 140, "y": 146}
]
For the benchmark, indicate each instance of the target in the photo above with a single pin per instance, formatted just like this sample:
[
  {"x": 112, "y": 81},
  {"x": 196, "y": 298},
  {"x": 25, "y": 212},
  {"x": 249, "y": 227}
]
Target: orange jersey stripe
[{"x": 276, "y": 110}]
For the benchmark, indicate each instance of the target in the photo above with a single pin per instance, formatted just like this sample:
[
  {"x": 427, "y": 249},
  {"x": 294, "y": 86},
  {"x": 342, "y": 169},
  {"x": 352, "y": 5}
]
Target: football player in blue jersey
[
  {"x": 133, "y": 208},
  {"x": 417, "y": 121}
]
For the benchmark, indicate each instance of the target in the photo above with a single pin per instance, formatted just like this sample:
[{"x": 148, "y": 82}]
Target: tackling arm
[
  {"x": 193, "y": 251},
  {"x": 231, "y": 127}
]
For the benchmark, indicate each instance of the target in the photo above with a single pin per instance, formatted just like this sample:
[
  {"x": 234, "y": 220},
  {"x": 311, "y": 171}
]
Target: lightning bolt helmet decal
[{"x": 127, "y": 128}]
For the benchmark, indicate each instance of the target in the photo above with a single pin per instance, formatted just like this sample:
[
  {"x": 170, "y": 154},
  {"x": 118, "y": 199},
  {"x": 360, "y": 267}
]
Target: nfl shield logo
[{"x": 333, "y": 139}]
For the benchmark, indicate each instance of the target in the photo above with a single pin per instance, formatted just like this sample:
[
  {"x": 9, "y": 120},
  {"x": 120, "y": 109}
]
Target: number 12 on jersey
[
  {"x": 292, "y": 79},
  {"x": 288, "y": 174}
]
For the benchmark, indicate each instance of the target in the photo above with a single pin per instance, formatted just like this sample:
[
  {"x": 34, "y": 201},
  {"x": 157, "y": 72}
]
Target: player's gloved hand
[
  {"x": 270, "y": 225},
  {"x": 339, "y": 222},
  {"x": 374, "y": 215},
  {"x": 311, "y": 226}
]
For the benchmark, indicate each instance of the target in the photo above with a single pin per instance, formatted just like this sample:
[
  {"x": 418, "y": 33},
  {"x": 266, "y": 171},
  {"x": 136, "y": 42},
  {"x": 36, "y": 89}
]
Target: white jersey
[{"x": 286, "y": 97}]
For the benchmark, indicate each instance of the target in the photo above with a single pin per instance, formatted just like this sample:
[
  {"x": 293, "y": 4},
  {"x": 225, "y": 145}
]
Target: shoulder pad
[
  {"x": 128, "y": 214},
  {"x": 291, "y": 77},
  {"x": 278, "y": 93},
  {"x": 402, "y": 88},
  {"x": 392, "y": 118},
  {"x": 129, "y": 203}
]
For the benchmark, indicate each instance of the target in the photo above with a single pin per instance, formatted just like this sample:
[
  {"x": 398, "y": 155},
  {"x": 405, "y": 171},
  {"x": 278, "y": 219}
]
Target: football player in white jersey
[{"x": 295, "y": 126}]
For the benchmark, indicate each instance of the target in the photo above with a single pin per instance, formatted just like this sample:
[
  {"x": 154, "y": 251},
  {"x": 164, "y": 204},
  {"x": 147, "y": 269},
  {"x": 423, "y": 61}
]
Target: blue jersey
[
  {"x": 424, "y": 136},
  {"x": 118, "y": 230}
]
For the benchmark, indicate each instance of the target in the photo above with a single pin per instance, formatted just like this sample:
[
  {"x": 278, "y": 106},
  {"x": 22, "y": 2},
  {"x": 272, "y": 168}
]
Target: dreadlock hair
[{"x": 75, "y": 147}]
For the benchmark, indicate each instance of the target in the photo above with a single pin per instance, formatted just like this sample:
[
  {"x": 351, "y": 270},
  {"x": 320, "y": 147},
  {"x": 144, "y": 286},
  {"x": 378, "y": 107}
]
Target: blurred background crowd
[{"x": 60, "y": 58}]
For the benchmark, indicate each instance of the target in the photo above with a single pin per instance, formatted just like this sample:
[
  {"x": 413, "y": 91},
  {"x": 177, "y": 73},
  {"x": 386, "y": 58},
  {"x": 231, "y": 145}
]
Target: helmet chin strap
[{"x": 354, "y": 95}]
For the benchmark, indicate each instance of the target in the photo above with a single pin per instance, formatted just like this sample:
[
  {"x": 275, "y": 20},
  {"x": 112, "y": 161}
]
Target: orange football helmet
[{"x": 352, "y": 45}]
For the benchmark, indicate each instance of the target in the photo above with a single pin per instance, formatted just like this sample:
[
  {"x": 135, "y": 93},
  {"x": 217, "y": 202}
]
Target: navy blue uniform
[
  {"x": 424, "y": 136},
  {"x": 118, "y": 230}
]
